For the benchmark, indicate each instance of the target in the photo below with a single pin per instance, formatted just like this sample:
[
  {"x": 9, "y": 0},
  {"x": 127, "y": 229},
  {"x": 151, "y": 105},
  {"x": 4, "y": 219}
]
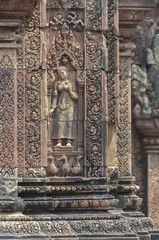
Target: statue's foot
[
  {"x": 58, "y": 145},
  {"x": 68, "y": 145}
]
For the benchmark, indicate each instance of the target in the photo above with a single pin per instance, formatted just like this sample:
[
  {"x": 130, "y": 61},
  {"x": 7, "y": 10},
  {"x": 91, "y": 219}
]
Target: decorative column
[
  {"x": 11, "y": 100},
  {"x": 131, "y": 13}
]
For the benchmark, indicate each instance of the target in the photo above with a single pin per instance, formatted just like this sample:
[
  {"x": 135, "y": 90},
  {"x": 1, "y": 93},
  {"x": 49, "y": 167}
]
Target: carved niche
[{"x": 65, "y": 82}]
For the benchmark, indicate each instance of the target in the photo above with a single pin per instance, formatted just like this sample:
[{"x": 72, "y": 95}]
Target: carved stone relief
[
  {"x": 71, "y": 20},
  {"x": 142, "y": 92},
  {"x": 94, "y": 105},
  {"x": 145, "y": 111},
  {"x": 94, "y": 15},
  {"x": 124, "y": 127},
  {"x": 153, "y": 193},
  {"x": 65, "y": 94},
  {"x": 32, "y": 91},
  {"x": 146, "y": 99},
  {"x": 62, "y": 108},
  {"x": 111, "y": 41},
  {"x": 65, "y": 4},
  {"x": 7, "y": 117},
  {"x": 7, "y": 109}
]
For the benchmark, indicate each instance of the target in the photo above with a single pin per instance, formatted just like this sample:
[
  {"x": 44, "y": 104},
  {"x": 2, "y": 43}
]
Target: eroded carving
[
  {"x": 141, "y": 91},
  {"x": 64, "y": 165},
  {"x": 58, "y": 21},
  {"x": 65, "y": 3}
]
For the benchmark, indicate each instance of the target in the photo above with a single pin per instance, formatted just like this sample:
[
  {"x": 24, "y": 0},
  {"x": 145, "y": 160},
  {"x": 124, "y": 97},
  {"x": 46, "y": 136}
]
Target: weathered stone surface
[{"x": 145, "y": 110}]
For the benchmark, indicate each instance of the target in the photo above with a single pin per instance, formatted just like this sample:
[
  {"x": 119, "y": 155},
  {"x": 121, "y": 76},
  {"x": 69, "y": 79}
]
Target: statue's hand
[
  {"x": 75, "y": 96},
  {"x": 50, "y": 112}
]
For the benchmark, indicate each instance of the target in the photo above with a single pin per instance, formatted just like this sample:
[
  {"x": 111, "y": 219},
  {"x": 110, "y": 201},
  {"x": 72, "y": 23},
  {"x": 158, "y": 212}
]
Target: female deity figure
[{"x": 62, "y": 108}]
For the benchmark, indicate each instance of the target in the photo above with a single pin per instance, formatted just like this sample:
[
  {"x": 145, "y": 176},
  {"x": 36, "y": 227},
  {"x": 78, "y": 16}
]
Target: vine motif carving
[
  {"x": 32, "y": 41},
  {"x": 93, "y": 106},
  {"x": 123, "y": 126},
  {"x": 20, "y": 120},
  {"x": 32, "y": 91},
  {"x": 6, "y": 113},
  {"x": 94, "y": 15},
  {"x": 93, "y": 51},
  {"x": 20, "y": 104},
  {"x": 111, "y": 44},
  {"x": 65, "y": 4}
]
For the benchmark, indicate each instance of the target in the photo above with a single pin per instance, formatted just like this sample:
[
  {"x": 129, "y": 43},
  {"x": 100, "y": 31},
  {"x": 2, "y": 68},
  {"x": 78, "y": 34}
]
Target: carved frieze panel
[
  {"x": 72, "y": 20},
  {"x": 65, "y": 4}
]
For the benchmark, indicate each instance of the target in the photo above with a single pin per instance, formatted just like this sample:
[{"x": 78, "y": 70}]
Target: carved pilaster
[
  {"x": 9, "y": 43},
  {"x": 129, "y": 17}
]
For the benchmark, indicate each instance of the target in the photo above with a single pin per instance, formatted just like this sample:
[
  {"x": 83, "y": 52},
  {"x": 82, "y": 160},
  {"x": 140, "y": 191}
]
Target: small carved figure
[
  {"x": 57, "y": 22},
  {"x": 76, "y": 170},
  {"x": 71, "y": 21},
  {"x": 52, "y": 169},
  {"x": 65, "y": 168},
  {"x": 62, "y": 108},
  {"x": 140, "y": 87}
]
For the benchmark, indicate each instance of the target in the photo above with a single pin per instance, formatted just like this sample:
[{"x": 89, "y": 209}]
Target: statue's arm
[
  {"x": 54, "y": 100},
  {"x": 72, "y": 93}
]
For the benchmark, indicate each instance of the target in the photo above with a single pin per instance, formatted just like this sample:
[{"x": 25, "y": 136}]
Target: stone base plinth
[{"x": 114, "y": 225}]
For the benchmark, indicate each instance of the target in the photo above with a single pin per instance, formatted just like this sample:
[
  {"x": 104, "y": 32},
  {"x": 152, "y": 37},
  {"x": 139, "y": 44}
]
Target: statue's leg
[
  {"x": 69, "y": 125},
  {"x": 59, "y": 133}
]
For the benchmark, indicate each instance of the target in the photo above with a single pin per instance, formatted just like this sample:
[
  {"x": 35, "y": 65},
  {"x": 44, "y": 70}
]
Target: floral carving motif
[
  {"x": 94, "y": 14},
  {"x": 111, "y": 39},
  {"x": 32, "y": 41},
  {"x": 93, "y": 106},
  {"x": 32, "y": 91},
  {"x": 123, "y": 129},
  {"x": 20, "y": 120}
]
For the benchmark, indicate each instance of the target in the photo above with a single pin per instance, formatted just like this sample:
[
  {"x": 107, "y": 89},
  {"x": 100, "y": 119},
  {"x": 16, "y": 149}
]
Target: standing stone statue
[{"x": 62, "y": 108}]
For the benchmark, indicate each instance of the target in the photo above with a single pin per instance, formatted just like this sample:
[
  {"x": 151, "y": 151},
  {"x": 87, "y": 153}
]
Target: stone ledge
[{"x": 106, "y": 226}]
